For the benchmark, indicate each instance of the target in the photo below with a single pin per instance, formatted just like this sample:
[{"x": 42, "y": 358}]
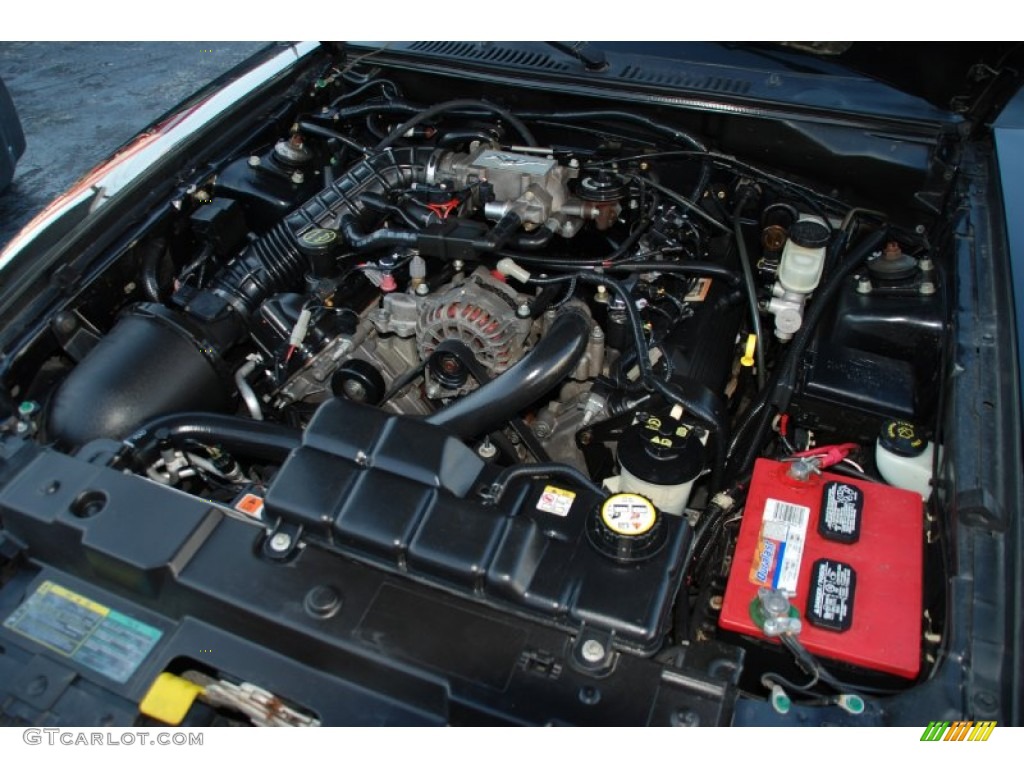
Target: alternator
[{"x": 481, "y": 313}]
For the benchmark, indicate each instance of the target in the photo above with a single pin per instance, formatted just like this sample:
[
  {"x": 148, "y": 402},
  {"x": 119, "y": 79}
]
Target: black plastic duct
[
  {"x": 152, "y": 363},
  {"x": 274, "y": 262}
]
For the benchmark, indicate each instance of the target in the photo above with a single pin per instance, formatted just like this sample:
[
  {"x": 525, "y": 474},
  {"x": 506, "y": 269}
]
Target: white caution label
[{"x": 780, "y": 546}]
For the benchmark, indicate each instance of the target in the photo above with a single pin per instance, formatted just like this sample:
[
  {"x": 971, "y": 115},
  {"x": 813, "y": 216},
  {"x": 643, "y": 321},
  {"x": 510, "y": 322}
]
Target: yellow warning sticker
[{"x": 557, "y": 501}]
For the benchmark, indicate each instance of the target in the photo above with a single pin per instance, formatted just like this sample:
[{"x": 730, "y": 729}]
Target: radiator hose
[{"x": 542, "y": 369}]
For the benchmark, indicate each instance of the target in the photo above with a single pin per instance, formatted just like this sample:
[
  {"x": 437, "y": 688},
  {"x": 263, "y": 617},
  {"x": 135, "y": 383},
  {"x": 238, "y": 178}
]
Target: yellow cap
[
  {"x": 169, "y": 698},
  {"x": 747, "y": 361}
]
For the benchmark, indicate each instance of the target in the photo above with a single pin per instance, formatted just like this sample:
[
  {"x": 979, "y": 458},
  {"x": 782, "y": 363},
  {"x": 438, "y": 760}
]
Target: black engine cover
[{"x": 402, "y": 493}]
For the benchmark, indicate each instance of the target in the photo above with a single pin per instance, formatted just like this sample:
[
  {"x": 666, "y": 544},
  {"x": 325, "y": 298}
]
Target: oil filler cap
[{"x": 627, "y": 527}]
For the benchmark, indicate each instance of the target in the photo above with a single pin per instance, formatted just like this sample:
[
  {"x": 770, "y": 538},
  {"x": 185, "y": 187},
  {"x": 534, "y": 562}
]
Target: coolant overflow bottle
[{"x": 904, "y": 458}]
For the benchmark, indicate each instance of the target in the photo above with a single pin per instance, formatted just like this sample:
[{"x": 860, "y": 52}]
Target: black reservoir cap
[
  {"x": 809, "y": 234},
  {"x": 662, "y": 450},
  {"x": 901, "y": 438}
]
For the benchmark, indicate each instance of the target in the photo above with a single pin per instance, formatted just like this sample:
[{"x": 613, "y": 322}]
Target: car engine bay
[{"x": 619, "y": 403}]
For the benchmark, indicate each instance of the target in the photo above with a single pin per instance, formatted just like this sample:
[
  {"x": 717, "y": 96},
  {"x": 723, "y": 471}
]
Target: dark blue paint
[{"x": 1009, "y": 133}]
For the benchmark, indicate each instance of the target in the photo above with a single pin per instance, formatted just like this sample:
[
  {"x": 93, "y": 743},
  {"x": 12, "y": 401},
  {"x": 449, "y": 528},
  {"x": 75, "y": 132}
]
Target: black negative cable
[
  {"x": 748, "y": 279},
  {"x": 431, "y": 112}
]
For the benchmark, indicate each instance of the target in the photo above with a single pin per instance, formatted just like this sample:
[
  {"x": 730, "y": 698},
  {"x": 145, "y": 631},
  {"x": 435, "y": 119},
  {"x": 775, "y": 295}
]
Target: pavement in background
[{"x": 78, "y": 102}]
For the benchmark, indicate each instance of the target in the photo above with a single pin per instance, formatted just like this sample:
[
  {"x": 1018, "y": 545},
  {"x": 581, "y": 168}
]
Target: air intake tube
[
  {"x": 274, "y": 262},
  {"x": 157, "y": 361}
]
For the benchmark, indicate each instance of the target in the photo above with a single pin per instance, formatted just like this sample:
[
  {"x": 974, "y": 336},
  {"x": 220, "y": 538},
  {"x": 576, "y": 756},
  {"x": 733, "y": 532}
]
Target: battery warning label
[
  {"x": 780, "y": 546},
  {"x": 841, "y": 508},
  {"x": 830, "y": 602},
  {"x": 91, "y": 634}
]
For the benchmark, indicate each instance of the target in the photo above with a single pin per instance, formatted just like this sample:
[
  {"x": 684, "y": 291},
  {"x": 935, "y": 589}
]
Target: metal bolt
[
  {"x": 523, "y": 310},
  {"x": 254, "y": 161},
  {"x": 685, "y": 718},
  {"x": 486, "y": 449},
  {"x": 985, "y": 700},
  {"x": 715, "y": 602},
  {"x": 298, "y": 177},
  {"x": 574, "y": 163},
  {"x": 589, "y": 695},
  {"x": 280, "y": 542},
  {"x": 802, "y": 469},
  {"x": 774, "y": 602},
  {"x": 422, "y": 289},
  {"x": 592, "y": 651},
  {"x": 925, "y": 264},
  {"x": 362, "y": 459},
  {"x": 863, "y": 284},
  {"x": 542, "y": 429},
  {"x": 927, "y": 288},
  {"x": 458, "y": 264}
]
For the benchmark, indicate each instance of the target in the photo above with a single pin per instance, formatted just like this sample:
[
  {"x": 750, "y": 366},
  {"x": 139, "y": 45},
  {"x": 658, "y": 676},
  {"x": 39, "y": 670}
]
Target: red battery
[{"x": 850, "y": 555}]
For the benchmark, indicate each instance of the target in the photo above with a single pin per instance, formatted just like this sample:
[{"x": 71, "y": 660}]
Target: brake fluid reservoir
[
  {"x": 904, "y": 459},
  {"x": 803, "y": 256},
  {"x": 661, "y": 458}
]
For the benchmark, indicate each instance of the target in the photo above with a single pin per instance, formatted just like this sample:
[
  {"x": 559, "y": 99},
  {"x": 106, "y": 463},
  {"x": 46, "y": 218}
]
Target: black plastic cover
[
  {"x": 388, "y": 651},
  {"x": 154, "y": 362},
  {"x": 402, "y": 493}
]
